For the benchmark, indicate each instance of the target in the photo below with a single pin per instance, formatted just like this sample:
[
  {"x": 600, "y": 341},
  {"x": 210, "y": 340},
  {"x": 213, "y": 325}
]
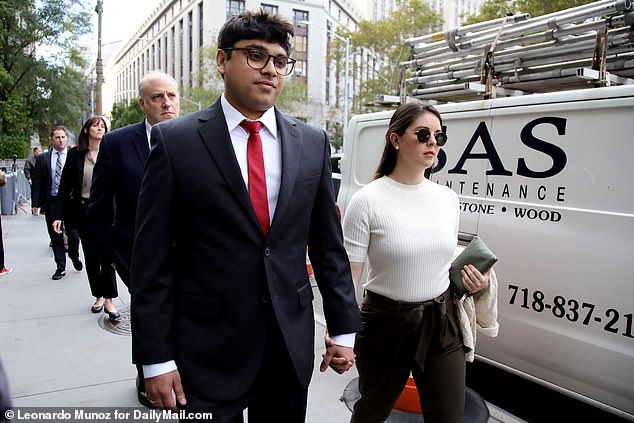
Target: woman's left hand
[{"x": 473, "y": 280}]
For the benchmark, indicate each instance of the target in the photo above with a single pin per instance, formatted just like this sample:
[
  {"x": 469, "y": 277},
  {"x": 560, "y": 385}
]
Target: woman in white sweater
[{"x": 406, "y": 228}]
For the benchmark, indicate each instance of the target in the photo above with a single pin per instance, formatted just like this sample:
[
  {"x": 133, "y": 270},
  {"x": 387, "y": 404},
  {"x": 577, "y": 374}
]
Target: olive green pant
[{"x": 400, "y": 338}]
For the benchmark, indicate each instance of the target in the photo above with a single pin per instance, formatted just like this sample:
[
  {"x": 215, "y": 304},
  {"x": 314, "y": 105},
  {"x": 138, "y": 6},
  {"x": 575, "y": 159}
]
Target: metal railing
[{"x": 15, "y": 194}]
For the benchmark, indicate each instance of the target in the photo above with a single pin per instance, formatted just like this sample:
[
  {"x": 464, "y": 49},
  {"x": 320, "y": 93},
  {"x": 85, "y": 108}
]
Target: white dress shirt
[{"x": 271, "y": 149}]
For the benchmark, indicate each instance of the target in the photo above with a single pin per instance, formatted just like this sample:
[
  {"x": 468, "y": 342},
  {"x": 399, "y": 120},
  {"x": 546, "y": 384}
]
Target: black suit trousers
[
  {"x": 57, "y": 240},
  {"x": 100, "y": 274},
  {"x": 264, "y": 401}
]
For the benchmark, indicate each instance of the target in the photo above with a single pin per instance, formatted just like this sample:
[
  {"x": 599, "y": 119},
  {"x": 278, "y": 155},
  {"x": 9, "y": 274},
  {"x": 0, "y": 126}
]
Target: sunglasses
[{"x": 425, "y": 134}]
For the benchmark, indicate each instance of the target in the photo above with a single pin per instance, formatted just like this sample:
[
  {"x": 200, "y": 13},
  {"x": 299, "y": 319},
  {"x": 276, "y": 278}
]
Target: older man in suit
[
  {"x": 46, "y": 176},
  {"x": 232, "y": 195},
  {"x": 117, "y": 179}
]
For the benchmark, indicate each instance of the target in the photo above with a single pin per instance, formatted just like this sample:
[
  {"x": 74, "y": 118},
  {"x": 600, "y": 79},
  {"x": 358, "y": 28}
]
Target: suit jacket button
[
  {"x": 265, "y": 299},
  {"x": 267, "y": 252}
]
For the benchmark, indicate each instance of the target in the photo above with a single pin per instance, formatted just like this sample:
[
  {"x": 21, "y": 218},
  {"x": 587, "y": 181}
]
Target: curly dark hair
[{"x": 251, "y": 25}]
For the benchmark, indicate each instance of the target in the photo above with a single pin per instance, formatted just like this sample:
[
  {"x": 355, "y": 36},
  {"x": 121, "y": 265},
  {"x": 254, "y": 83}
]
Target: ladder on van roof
[{"x": 582, "y": 47}]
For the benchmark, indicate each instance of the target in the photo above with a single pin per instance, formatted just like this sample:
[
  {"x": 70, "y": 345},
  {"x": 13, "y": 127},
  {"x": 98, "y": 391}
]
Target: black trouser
[
  {"x": 101, "y": 275},
  {"x": 400, "y": 338},
  {"x": 57, "y": 240},
  {"x": 263, "y": 401},
  {"x": 122, "y": 261}
]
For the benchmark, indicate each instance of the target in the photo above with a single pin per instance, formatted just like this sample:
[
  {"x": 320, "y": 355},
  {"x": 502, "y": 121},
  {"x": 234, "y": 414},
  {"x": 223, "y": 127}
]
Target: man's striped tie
[{"x": 58, "y": 172}]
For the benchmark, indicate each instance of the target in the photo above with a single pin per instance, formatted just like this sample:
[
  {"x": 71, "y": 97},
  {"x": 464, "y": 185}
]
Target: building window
[
  {"x": 173, "y": 51},
  {"x": 300, "y": 43},
  {"x": 158, "y": 53},
  {"x": 165, "y": 53},
  {"x": 269, "y": 8},
  {"x": 190, "y": 45},
  {"x": 234, "y": 7},
  {"x": 181, "y": 50},
  {"x": 200, "y": 25},
  {"x": 300, "y": 69},
  {"x": 300, "y": 16}
]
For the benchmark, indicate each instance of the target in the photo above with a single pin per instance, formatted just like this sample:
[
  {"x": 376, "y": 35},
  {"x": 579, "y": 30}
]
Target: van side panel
[
  {"x": 558, "y": 209},
  {"x": 546, "y": 181}
]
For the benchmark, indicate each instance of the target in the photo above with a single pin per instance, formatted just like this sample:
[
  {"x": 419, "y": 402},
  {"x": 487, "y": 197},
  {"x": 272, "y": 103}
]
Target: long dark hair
[
  {"x": 402, "y": 118},
  {"x": 83, "y": 138}
]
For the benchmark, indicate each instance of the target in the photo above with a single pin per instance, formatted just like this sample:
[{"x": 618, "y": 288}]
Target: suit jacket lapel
[
  {"x": 290, "y": 141},
  {"x": 47, "y": 161},
  {"x": 215, "y": 136},
  {"x": 141, "y": 143},
  {"x": 80, "y": 159}
]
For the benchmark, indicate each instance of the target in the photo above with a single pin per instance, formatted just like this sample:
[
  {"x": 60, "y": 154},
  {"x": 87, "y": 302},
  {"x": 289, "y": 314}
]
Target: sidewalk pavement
[{"x": 58, "y": 354}]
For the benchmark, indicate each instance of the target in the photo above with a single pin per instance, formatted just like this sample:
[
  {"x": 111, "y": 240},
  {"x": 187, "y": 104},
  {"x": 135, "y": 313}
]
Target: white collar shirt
[
  {"x": 148, "y": 131},
  {"x": 271, "y": 148}
]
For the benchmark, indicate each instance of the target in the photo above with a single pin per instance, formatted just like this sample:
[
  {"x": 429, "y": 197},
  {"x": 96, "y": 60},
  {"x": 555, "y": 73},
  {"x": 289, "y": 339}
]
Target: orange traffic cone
[
  {"x": 309, "y": 270},
  {"x": 409, "y": 401}
]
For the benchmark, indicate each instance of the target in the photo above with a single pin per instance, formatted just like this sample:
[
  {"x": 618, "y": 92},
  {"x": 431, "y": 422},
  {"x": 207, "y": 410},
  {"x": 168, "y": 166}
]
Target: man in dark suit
[
  {"x": 118, "y": 174},
  {"x": 29, "y": 164},
  {"x": 221, "y": 301},
  {"x": 46, "y": 177}
]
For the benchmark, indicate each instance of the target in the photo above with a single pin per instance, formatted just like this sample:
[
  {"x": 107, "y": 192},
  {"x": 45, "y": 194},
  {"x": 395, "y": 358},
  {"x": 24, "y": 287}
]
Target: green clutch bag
[{"x": 475, "y": 253}]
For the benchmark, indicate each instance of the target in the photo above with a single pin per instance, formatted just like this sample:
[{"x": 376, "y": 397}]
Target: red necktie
[{"x": 257, "y": 177}]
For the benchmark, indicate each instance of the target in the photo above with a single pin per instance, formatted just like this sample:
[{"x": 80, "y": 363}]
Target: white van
[{"x": 547, "y": 181}]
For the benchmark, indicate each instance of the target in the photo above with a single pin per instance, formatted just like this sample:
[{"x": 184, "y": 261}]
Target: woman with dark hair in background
[{"x": 74, "y": 191}]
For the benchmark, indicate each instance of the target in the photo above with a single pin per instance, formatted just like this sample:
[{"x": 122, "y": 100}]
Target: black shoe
[
  {"x": 141, "y": 396},
  {"x": 58, "y": 274},
  {"x": 78, "y": 265},
  {"x": 113, "y": 315},
  {"x": 96, "y": 309}
]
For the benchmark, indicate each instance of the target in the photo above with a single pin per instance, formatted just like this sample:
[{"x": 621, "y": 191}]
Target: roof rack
[{"x": 582, "y": 47}]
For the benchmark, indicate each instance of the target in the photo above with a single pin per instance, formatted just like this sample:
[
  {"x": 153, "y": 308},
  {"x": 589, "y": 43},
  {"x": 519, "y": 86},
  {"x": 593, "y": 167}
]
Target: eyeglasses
[
  {"x": 258, "y": 60},
  {"x": 425, "y": 134}
]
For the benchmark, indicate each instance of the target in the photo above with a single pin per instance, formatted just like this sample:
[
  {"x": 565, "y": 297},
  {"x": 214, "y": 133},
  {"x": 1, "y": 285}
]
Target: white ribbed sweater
[{"x": 407, "y": 233}]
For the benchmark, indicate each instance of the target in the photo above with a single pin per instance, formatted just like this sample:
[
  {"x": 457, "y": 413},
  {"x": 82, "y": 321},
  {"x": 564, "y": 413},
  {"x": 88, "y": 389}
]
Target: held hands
[
  {"x": 473, "y": 280},
  {"x": 35, "y": 211},
  {"x": 339, "y": 358},
  {"x": 159, "y": 391}
]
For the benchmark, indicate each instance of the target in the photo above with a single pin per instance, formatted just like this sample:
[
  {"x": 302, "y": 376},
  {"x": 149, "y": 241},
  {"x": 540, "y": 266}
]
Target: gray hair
[{"x": 153, "y": 75}]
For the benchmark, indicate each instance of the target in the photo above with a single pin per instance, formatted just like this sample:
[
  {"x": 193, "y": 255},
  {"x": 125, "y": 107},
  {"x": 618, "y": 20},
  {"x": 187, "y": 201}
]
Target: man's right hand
[
  {"x": 337, "y": 357},
  {"x": 159, "y": 390},
  {"x": 57, "y": 226},
  {"x": 35, "y": 210}
]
